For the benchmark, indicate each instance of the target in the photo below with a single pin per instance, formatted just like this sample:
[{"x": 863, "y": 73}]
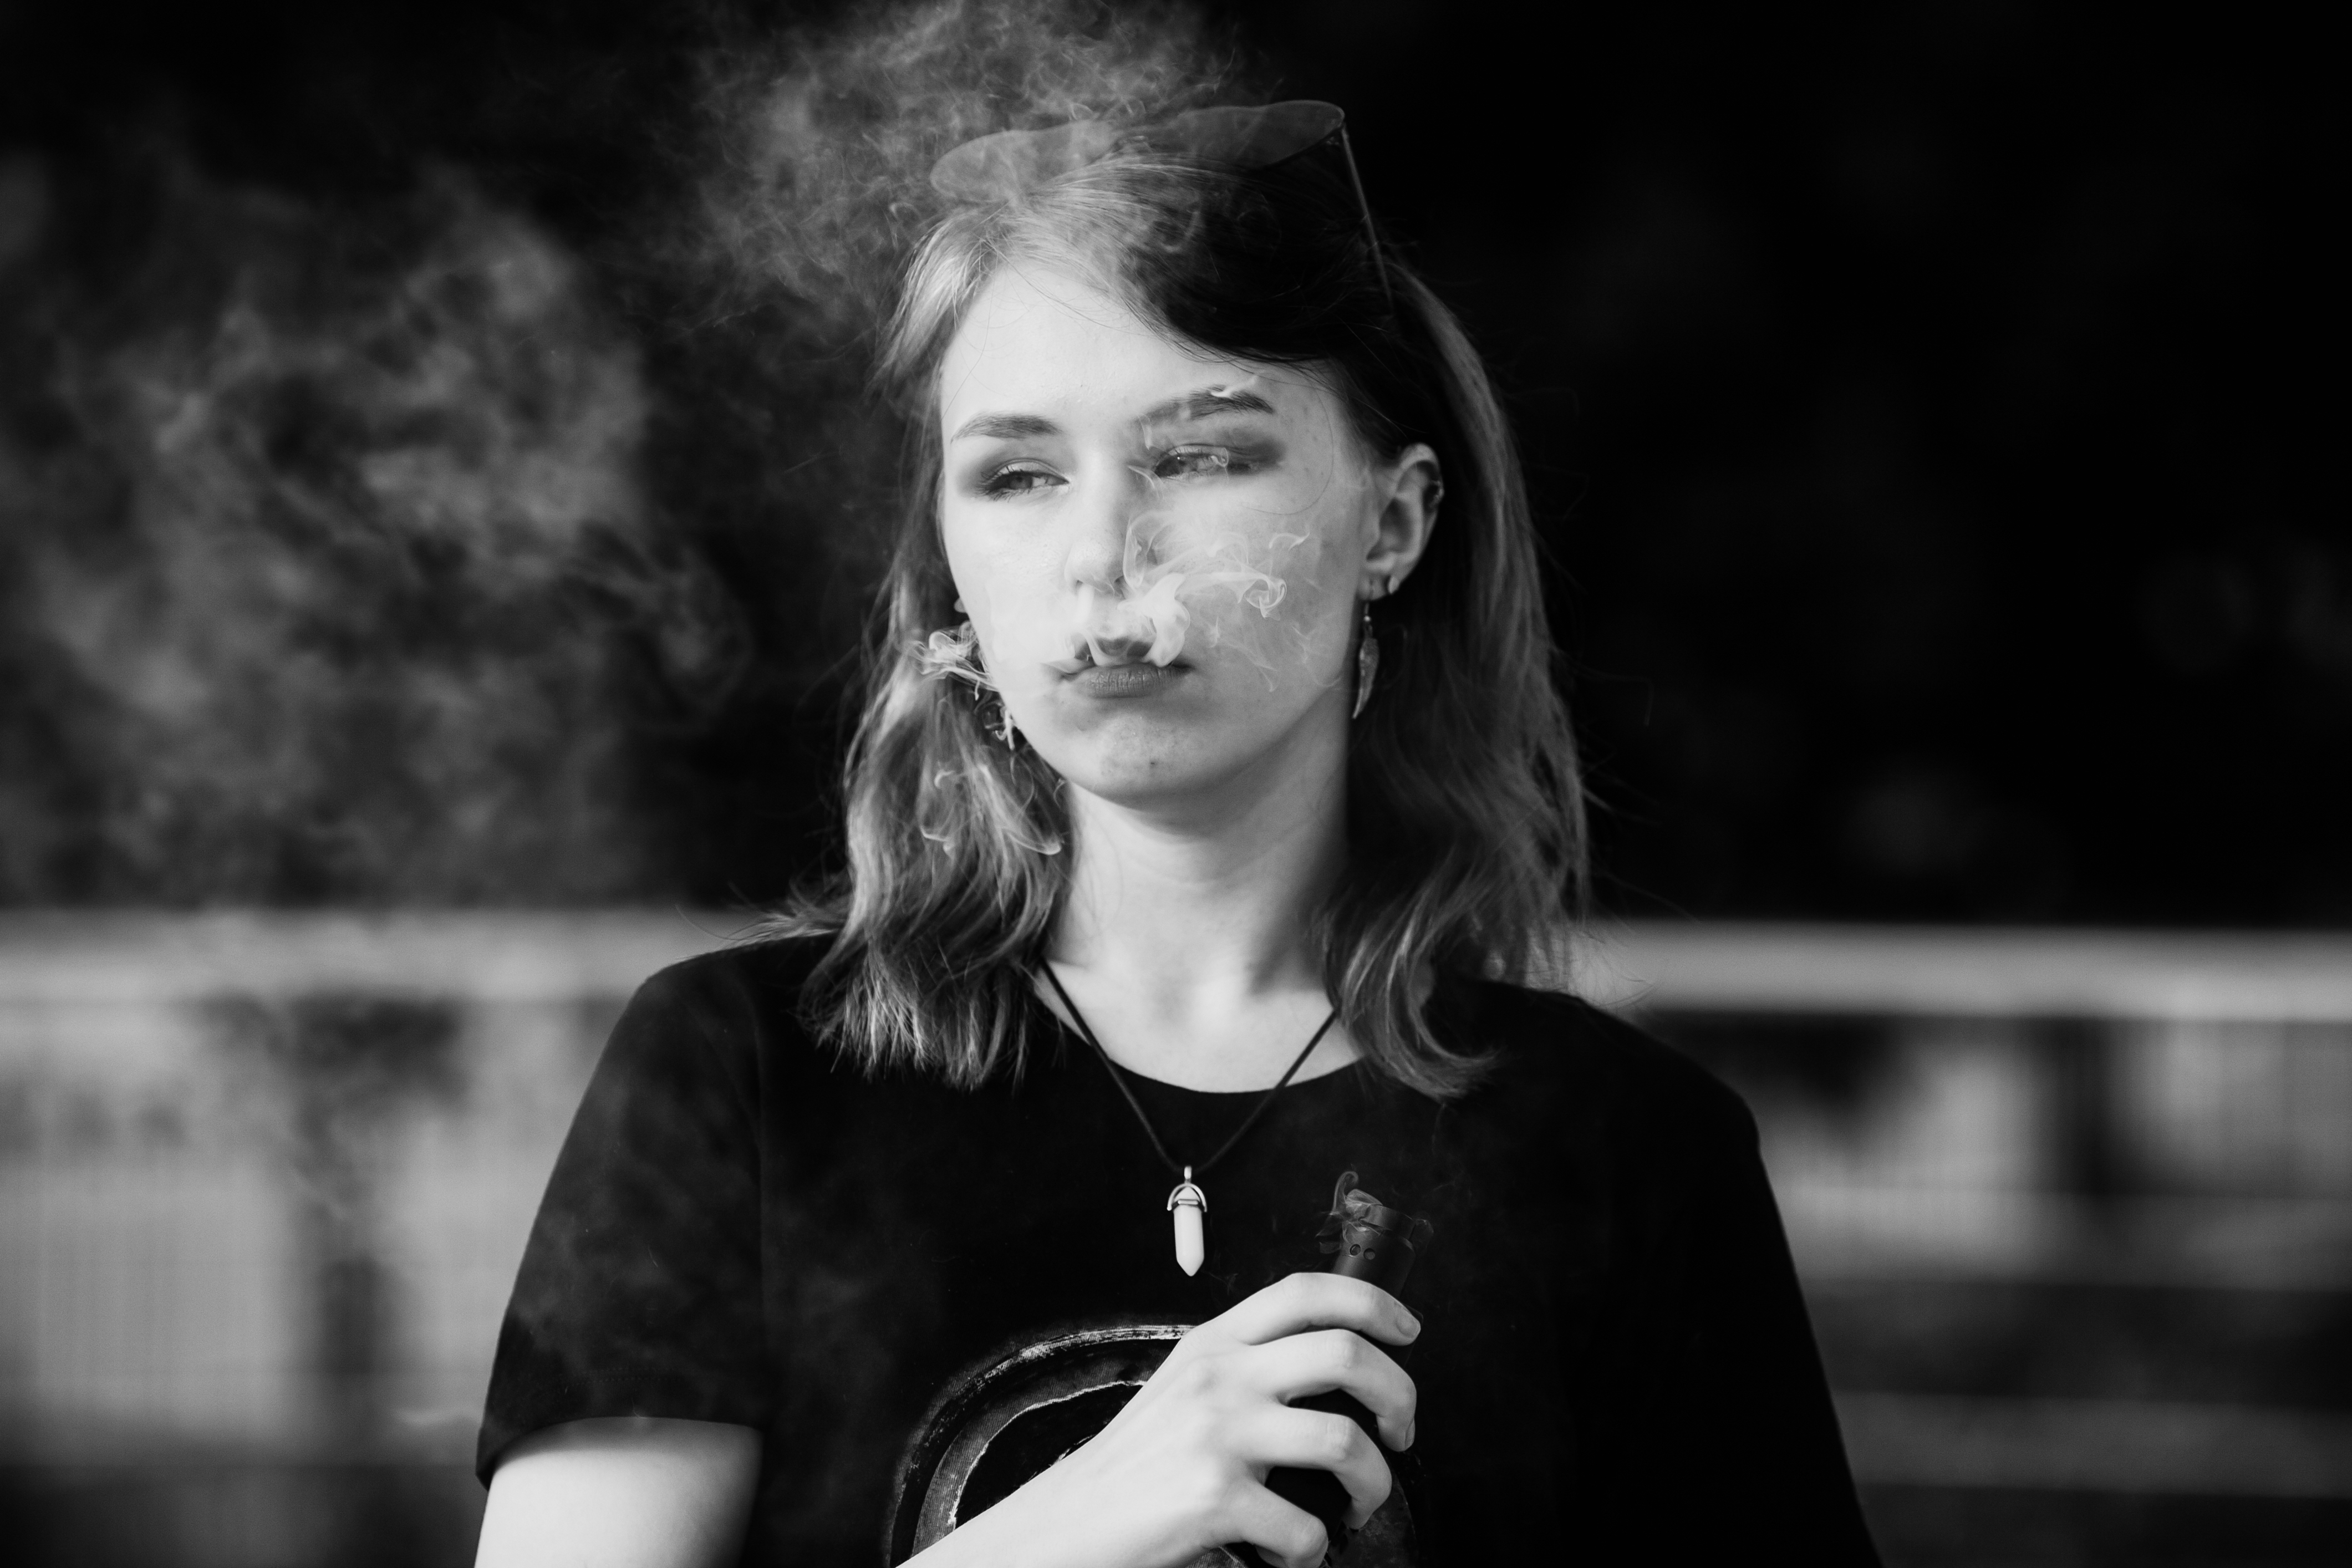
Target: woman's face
[{"x": 1160, "y": 549}]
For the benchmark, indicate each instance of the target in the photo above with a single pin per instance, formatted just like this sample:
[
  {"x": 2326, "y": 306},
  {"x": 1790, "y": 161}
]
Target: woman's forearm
[{"x": 632, "y": 1492}]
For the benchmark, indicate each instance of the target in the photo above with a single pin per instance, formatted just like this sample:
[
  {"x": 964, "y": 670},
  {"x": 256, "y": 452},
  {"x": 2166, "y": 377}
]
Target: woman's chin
[
  {"x": 1182, "y": 770},
  {"x": 1130, "y": 762},
  {"x": 1150, "y": 738},
  {"x": 1118, "y": 767}
]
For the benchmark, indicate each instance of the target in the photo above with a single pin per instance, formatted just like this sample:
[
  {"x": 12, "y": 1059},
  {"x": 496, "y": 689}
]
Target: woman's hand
[{"x": 1182, "y": 1466}]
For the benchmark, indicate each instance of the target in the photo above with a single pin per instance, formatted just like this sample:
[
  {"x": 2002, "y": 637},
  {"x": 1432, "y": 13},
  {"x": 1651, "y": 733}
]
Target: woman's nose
[{"x": 1104, "y": 511}]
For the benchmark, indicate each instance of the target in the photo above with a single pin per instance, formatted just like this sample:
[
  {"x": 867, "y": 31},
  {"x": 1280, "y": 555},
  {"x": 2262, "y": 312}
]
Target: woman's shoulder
[
  {"x": 1558, "y": 1058},
  {"x": 740, "y": 1005},
  {"x": 756, "y": 972}
]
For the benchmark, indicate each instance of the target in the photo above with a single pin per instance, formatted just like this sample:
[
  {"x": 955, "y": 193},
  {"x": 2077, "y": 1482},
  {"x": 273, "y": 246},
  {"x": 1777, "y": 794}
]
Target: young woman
[{"x": 1213, "y": 804}]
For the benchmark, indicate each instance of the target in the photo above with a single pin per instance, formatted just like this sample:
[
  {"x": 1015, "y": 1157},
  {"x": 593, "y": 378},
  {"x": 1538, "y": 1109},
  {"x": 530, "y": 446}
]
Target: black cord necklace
[{"x": 1188, "y": 1203}]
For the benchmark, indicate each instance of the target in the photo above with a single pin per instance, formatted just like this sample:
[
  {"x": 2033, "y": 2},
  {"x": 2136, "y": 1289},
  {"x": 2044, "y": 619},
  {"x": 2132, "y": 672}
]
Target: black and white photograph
[{"x": 1169, "y": 783}]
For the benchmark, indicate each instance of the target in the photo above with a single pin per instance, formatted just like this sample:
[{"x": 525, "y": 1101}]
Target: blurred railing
[
  {"x": 2074, "y": 1213},
  {"x": 264, "y": 1183},
  {"x": 2170, "y": 1108}
]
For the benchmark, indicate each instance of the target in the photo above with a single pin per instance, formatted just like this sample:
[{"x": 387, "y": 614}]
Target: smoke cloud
[
  {"x": 1181, "y": 591},
  {"x": 825, "y": 138},
  {"x": 322, "y": 534},
  {"x": 352, "y": 549},
  {"x": 824, "y": 146}
]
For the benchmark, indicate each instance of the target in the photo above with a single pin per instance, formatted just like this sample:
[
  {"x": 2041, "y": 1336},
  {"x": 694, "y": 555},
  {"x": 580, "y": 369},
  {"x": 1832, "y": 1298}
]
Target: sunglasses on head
[{"x": 999, "y": 167}]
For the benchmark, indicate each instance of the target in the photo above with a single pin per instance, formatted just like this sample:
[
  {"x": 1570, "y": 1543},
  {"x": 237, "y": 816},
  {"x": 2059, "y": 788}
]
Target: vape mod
[{"x": 1370, "y": 1241}]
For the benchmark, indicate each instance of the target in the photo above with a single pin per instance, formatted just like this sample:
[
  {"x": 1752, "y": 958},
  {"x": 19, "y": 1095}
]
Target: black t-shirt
[{"x": 1615, "y": 1363}]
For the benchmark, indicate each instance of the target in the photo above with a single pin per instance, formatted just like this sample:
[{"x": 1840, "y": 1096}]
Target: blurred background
[{"x": 429, "y": 556}]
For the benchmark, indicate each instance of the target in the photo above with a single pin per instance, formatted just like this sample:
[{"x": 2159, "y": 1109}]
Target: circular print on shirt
[{"x": 1014, "y": 1413}]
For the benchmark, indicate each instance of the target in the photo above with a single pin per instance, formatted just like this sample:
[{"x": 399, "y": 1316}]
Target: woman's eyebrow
[
  {"x": 1006, "y": 427},
  {"x": 1201, "y": 403},
  {"x": 1207, "y": 401}
]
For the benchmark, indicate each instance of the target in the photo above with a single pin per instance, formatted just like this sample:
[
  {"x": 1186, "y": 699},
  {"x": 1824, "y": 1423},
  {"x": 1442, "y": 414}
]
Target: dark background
[{"x": 1927, "y": 405}]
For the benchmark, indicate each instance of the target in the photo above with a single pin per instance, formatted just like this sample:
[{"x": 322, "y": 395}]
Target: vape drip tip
[{"x": 1368, "y": 1240}]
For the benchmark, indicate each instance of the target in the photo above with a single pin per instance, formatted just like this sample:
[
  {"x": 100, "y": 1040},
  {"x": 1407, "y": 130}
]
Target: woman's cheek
[
  {"x": 1011, "y": 613},
  {"x": 1023, "y": 631},
  {"x": 979, "y": 577},
  {"x": 1273, "y": 604}
]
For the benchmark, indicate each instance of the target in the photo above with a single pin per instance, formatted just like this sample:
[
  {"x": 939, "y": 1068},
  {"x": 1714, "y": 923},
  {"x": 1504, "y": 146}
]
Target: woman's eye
[
  {"x": 1187, "y": 461},
  {"x": 1018, "y": 479}
]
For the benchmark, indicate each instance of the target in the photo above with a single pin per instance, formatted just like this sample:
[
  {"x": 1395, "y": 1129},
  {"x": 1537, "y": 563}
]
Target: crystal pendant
[{"x": 1186, "y": 1205}]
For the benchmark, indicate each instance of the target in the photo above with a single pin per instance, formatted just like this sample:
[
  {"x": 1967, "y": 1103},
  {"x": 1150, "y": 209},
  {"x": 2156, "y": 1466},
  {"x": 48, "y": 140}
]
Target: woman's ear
[{"x": 1408, "y": 489}]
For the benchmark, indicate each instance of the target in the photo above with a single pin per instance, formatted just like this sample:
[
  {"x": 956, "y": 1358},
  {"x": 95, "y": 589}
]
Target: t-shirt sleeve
[
  {"x": 640, "y": 1287},
  {"x": 1729, "y": 1445}
]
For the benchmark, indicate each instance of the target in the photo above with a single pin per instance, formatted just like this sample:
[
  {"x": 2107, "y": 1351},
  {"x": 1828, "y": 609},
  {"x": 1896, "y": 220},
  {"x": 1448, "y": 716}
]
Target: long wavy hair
[{"x": 1465, "y": 823}]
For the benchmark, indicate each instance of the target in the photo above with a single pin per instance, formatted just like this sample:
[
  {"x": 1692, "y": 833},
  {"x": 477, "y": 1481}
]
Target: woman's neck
[{"x": 1185, "y": 934}]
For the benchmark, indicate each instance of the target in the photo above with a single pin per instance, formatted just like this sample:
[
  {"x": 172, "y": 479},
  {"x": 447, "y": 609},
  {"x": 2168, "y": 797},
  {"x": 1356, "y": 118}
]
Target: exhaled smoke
[
  {"x": 827, "y": 141},
  {"x": 1219, "y": 591},
  {"x": 313, "y": 528},
  {"x": 828, "y": 138}
]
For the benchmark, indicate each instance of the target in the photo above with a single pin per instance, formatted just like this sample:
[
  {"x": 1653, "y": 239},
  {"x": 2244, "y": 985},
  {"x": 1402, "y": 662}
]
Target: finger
[
  {"x": 1326, "y": 1361},
  {"x": 1318, "y": 1440},
  {"x": 1284, "y": 1533},
  {"x": 1319, "y": 1301}
]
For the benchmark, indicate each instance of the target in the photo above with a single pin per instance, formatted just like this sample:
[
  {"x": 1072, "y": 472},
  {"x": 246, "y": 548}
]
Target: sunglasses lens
[
  {"x": 993, "y": 168},
  {"x": 1255, "y": 138}
]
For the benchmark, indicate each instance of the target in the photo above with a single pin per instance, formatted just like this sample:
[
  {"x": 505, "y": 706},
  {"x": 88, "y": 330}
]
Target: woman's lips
[{"x": 1137, "y": 679}]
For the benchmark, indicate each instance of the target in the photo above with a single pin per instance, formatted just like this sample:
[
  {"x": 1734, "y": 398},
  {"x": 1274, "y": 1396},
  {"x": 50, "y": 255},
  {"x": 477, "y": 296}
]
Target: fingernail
[
  {"x": 1409, "y": 1428},
  {"x": 1412, "y": 1325}
]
